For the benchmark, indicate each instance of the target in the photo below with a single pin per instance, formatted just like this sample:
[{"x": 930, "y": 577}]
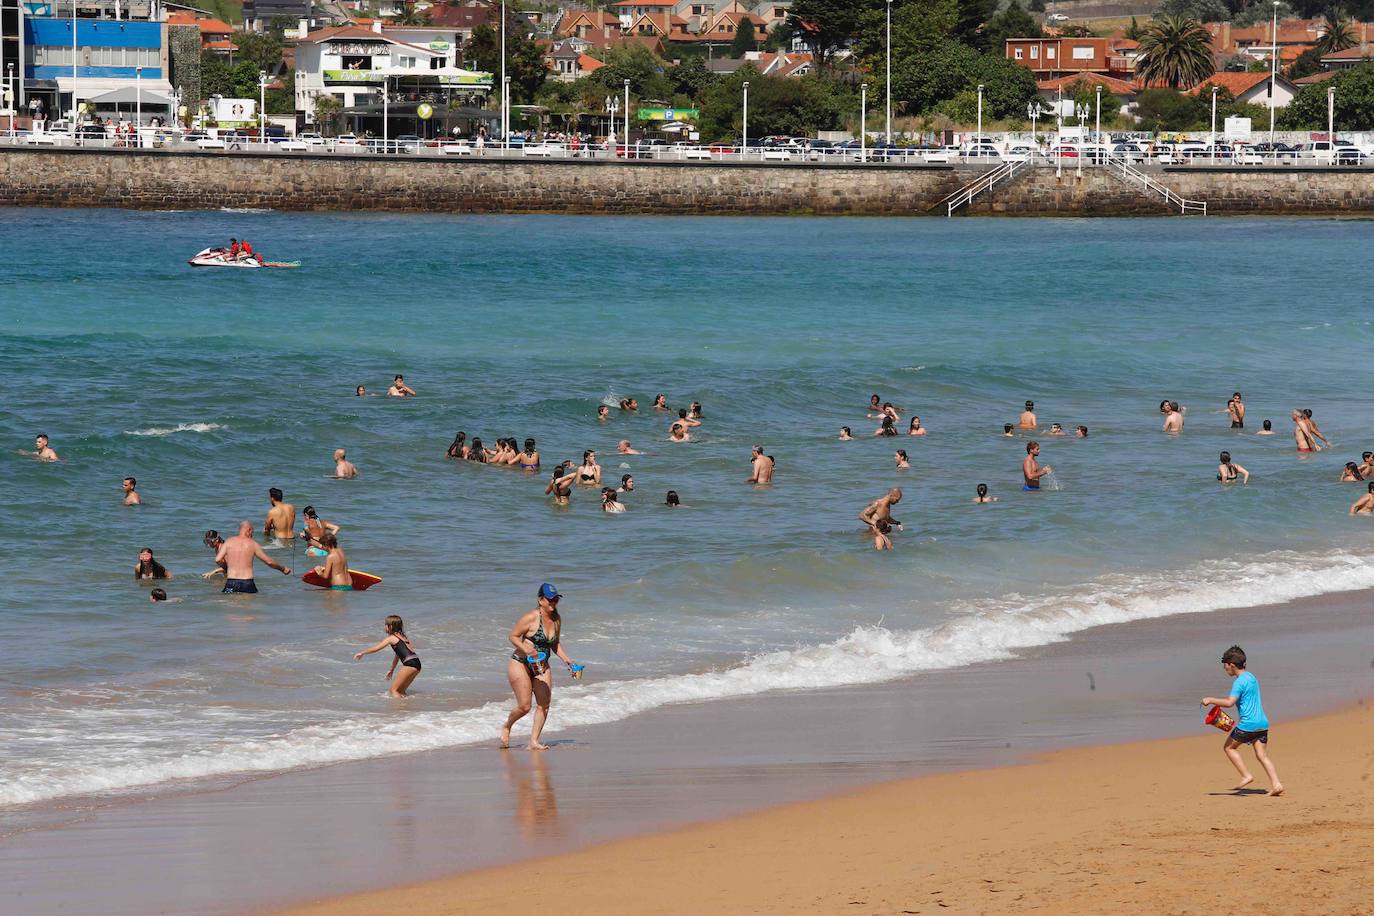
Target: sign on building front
[
  {"x": 1237, "y": 128},
  {"x": 668, "y": 114}
]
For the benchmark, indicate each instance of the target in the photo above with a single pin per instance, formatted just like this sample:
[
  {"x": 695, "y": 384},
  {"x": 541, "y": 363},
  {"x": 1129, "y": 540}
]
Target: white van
[{"x": 1323, "y": 151}]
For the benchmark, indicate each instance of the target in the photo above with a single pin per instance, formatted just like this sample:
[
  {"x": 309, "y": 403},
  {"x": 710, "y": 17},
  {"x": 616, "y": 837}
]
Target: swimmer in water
[
  {"x": 237, "y": 554},
  {"x": 983, "y": 497},
  {"x": 561, "y": 483},
  {"x": 360, "y": 392},
  {"x": 609, "y": 501},
  {"x": 1031, "y": 471},
  {"x": 902, "y": 463},
  {"x": 335, "y": 568},
  {"x": 589, "y": 474},
  {"x": 281, "y": 518},
  {"x": 880, "y": 511},
  {"x": 915, "y": 429},
  {"x": 889, "y": 428},
  {"x": 603, "y": 413},
  {"x": 1228, "y": 470},
  {"x": 660, "y": 402},
  {"x": 399, "y": 389},
  {"x": 1007, "y": 432},
  {"x": 762, "y": 466},
  {"x": 1028, "y": 420},
  {"x": 630, "y": 404},
  {"x": 881, "y": 536},
  {"x": 148, "y": 568},
  {"x": 315, "y": 528},
  {"x": 1302, "y": 433},
  {"x": 42, "y": 451},
  {"x": 844, "y": 434},
  {"x": 671, "y": 500},
  {"x": 529, "y": 458},
  {"x": 1056, "y": 429},
  {"x": 157, "y": 594},
  {"x": 1080, "y": 432},
  {"x": 627, "y": 484},
  {"x": 1267, "y": 428},
  {"x": 1351, "y": 473},
  {"x": 131, "y": 497},
  {"x": 1367, "y": 464},
  {"x": 875, "y": 404},
  {"x": 623, "y": 447},
  {"x": 475, "y": 451},
  {"x": 343, "y": 468},
  {"x": 678, "y": 431},
  {"x": 458, "y": 448},
  {"x": 213, "y": 541},
  {"x": 539, "y": 631},
  {"x": 695, "y": 411},
  {"x": 1235, "y": 408},
  {"x": 1315, "y": 429},
  {"x": 1173, "y": 419},
  {"x": 1365, "y": 504},
  {"x": 406, "y": 659}
]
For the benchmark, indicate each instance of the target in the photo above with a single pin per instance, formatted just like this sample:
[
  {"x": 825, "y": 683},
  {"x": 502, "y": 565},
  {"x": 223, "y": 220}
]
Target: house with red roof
[
  {"x": 215, "y": 34},
  {"x": 1250, "y": 88}
]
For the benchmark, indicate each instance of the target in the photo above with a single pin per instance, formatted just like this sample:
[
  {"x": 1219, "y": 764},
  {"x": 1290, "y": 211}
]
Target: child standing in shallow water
[
  {"x": 409, "y": 662},
  {"x": 1252, "y": 727}
]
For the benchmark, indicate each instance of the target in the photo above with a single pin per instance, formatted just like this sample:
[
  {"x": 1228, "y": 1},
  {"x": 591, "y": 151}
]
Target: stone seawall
[{"x": 152, "y": 179}]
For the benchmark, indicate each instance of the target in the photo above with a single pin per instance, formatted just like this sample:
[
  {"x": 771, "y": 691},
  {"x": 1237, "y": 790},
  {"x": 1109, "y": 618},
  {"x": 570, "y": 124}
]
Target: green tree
[
  {"x": 1134, "y": 31},
  {"x": 777, "y": 105},
  {"x": 261, "y": 49},
  {"x": 524, "y": 59},
  {"x": 1354, "y": 102},
  {"x": 972, "y": 16},
  {"x": 1012, "y": 22},
  {"x": 1308, "y": 63},
  {"x": 636, "y": 63},
  {"x": 1037, "y": 6},
  {"x": 1165, "y": 109},
  {"x": 1201, "y": 10},
  {"x": 825, "y": 25},
  {"x": 1338, "y": 33},
  {"x": 1260, "y": 13},
  {"x": 1176, "y": 52},
  {"x": 327, "y": 110},
  {"x": 778, "y": 37},
  {"x": 1076, "y": 30},
  {"x": 744, "y": 38},
  {"x": 1084, "y": 92},
  {"x": 691, "y": 79},
  {"x": 937, "y": 71}
]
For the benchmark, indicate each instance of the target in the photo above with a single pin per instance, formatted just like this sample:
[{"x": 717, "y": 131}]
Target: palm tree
[
  {"x": 1176, "y": 51},
  {"x": 1338, "y": 33}
]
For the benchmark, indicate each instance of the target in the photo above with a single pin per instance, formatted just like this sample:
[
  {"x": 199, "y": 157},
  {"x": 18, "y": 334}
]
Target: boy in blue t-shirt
[{"x": 1252, "y": 727}]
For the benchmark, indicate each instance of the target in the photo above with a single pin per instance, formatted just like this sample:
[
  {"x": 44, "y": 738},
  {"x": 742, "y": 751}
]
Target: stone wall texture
[{"x": 151, "y": 179}]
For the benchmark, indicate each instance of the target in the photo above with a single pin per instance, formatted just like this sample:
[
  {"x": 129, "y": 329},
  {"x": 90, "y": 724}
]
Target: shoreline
[
  {"x": 393, "y": 821},
  {"x": 1143, "y": 826}
]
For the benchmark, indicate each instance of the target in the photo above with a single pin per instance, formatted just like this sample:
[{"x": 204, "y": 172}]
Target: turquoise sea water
[{"x": 212, "y": 385}]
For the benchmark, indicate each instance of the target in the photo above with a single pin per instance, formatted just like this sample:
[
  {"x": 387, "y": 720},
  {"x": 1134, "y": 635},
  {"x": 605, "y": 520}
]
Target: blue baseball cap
[{"x": 548, "y": 592}]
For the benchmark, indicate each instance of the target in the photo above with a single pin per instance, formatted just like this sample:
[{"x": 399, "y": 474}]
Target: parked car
[
  {"x": 1020, "y": 152},
  {"x": 1063, "y": 151},
  {"x": 983, "y": 150},
  {"x": 408, "y": 143},
  {"x": 1131, "y": 152},
  {"x": 1274, "y": 151},
  {"x": 1323, "y": 151},
  {"x": 1349, "y": 155}
]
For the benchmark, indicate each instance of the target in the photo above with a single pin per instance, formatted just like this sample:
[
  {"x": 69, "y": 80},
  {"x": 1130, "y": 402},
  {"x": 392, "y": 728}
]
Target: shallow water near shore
[{"x": 211, "y": 386}]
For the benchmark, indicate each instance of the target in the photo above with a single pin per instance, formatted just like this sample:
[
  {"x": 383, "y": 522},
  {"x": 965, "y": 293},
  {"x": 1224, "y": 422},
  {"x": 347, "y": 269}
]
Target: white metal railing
[
  {"x": 1131, "y": 173},
  {"x": 964, "y": 196}
]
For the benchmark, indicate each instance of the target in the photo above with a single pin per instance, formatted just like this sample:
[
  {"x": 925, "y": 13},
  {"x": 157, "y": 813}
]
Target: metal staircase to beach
[
  {"x": 983, "y": 182},
  {"x": 1148, "y": 184}
]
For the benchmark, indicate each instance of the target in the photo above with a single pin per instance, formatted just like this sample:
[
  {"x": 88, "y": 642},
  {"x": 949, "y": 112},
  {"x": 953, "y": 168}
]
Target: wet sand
[{"x": 304, "y": 835}]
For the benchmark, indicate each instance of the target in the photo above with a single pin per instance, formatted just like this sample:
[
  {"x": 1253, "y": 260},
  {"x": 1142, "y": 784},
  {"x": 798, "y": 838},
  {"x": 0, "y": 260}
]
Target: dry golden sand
[{"x": 1147, "y": 827}]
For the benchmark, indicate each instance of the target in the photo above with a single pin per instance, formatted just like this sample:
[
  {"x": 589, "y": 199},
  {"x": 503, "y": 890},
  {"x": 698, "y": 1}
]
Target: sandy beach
[{"x": 1148, "y": 826}]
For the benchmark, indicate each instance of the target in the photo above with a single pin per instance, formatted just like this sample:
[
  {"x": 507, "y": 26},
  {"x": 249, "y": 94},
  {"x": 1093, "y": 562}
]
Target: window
[
  {"x": 1035, "y": 52},
  {"x": 1018, "y": 53},
  {"x": 1049, "y": 54},
  {"x": 438, "y": 63},
  {"x": 1081, "y": 52}
]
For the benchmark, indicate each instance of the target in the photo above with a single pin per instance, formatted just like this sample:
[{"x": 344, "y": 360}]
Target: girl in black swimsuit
[{"x": 406, "y": 659}]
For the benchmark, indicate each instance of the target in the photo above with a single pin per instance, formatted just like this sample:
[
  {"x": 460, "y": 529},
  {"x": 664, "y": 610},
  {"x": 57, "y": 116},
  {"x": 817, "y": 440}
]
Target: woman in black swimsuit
[
  {"x": 406, "y": 658},
  {"x": 148, "y": 568},
  {"x": 458, "y": 448},
  {"x": 561, "y": 484},
  {"x": 476, "y": 452},
  {"x": 589, "y": 474},
  {"x": 537, "y": 632}
]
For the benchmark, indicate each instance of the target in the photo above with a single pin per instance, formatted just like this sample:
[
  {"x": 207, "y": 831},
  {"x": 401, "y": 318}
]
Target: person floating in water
[
  {"x": 844, "y": 434},
  {"x": 1031, "y": 471},
  {"x": 361, "y": 391},
  {"x": 983, "y": 497},
  {"x": 561, "y": 483},
  {"x": 148, "y": 568},
  {"x": 1252, "y": 725},
  {"x": 915, "y": 428},
  {"x": 603, "y": 413},
  {"x": 1173, "y": 418},
  {"x": 902, "y": 463},
  {"x": 1365, "y": 504},
  {"x": 1351, "y": 473},
  {"x": 405, "y": 658},
  {"x": 237, "y": 554},
  {"x": 762, "y": 466},
  {"x": 131, "y": 497},
  {"x": 1028, "y": 419},
  {"x": 623, "y": 447},
  {"x": 1235, "y": 408},
  {"x": 661, "y": 402},
  {"x": 537, "y": 637},
  {"x": 42, "y": 451},
  {"x": 610, "y": 502},
  {"x": 1228, "y": 471},
  {"x": 1267, "y": 428}
]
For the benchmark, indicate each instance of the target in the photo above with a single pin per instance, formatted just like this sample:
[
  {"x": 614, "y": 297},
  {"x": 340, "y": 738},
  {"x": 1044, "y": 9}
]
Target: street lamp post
[
  {"x": 979, "y": 138},
  {"x": 1215, "y": 89},
  {"x": 262, "y": 104},
  {"x": 1097, "y": 118},
  {"x": 138, "y": 106},
  {"x": 611, "y": 106},
  {"x": 1081, "y": 110},
  {"x": 627, "y": 118},
  {"x": 744, "y": 133},
  {"x": 1330, "y": 116},
  {"x": 1059, "y": 134},
  {"x": 1033, "y": 112},
  {"x": 863, "y": 122},
  {"x": 73, "y": 124},
  {"x": 386, "y": 116},
  {"x": 1273, "y": 73},
  {"x": 887, "y": 131},
  {"x": 505, "y": 86},
  {"x": 9, "y": 99}
]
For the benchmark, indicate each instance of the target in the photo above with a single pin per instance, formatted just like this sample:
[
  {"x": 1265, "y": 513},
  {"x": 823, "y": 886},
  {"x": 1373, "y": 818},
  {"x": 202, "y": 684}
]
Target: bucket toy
[
  {"x": 1217, "y": 718},
  {"x": 538, "y": 663},
  {"x": 577, "y": 671}
]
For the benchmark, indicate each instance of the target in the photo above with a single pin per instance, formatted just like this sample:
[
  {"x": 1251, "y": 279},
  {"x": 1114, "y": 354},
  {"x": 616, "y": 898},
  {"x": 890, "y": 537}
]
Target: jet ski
[{"x": 220, "y": 257}]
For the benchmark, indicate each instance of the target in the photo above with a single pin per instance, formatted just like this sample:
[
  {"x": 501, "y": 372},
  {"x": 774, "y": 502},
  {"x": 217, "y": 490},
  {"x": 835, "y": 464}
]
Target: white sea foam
[
  {"x": 170, "y": 430},
  {"x": 984, "y": 631}
]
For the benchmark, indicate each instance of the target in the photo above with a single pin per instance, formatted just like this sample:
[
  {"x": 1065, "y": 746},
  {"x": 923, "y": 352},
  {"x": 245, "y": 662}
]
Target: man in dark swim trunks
[
  {"x": 1031, "y": 471},
  {"x": 238, "y": 554}
]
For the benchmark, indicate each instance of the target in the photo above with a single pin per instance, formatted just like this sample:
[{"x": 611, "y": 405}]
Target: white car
[
  {"x": 1248, "y": 155},
  {"x": 310, "y": 139},
  {"x": 1323, "y": 151},
  {"x": 348, "y": 143},
  {"x": 1020, "y": 152},
  {"x": 944, "y": 155}
]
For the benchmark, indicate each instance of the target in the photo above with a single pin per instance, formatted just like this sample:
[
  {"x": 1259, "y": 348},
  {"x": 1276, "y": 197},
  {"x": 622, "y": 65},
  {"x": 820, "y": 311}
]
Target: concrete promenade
[{"x": 159, "y": 179}]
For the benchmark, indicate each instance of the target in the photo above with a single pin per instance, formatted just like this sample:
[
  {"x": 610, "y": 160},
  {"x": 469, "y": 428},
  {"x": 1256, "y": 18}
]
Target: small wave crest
[
  {"x": 179, "y": 428},
  {"x": 985, "y": 630}
]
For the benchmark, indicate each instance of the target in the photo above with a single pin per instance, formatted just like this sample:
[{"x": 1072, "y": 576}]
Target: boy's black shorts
[{"x": 1242, "y": 737}]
